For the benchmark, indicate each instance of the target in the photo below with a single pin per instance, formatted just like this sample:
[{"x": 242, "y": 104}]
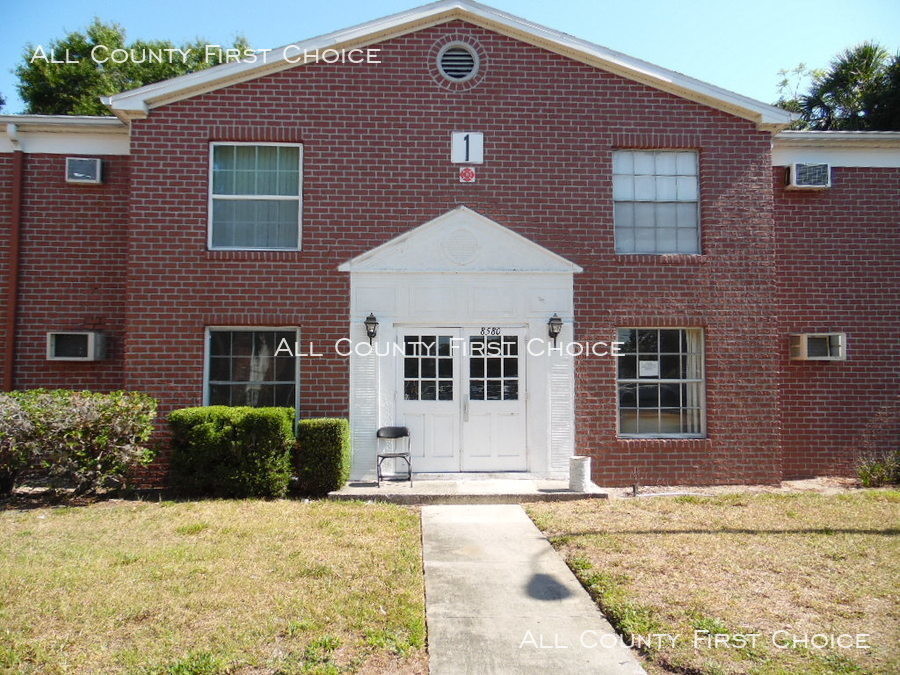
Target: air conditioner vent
[
  {"x": 84, "y": 170},
  {"x": 818, "y": 347},
  {"x": 809, "y": 176},
  {"x": 72, "y": 345}
]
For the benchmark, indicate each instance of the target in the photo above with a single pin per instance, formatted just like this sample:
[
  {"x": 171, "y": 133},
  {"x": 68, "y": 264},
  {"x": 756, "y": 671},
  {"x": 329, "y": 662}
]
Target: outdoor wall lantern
[
  {"x": 554, "y": 327},
  {"x": 371, "y": 327}
]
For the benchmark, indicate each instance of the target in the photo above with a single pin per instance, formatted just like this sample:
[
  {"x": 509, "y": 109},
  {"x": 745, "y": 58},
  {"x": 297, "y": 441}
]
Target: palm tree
[
  {"x": 859, "y": 91},
  {"x": 839, "y": 99}
]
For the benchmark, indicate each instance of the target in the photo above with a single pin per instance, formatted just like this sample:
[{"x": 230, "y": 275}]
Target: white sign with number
[{"x": 467, "y": 147}]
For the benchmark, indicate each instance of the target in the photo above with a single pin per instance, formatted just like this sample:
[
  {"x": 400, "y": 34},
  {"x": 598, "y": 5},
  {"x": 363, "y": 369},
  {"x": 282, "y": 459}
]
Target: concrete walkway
[{"x": 499, "y": 599}]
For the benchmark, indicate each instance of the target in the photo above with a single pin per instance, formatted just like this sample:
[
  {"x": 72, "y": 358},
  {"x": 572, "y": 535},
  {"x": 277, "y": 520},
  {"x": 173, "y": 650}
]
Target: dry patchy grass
[
  {"x": 741, "y": 564},
  {"x": 212, "y": 586}
]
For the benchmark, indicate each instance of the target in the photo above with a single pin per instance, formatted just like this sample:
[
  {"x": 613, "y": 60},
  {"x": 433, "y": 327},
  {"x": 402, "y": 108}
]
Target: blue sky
[{"x": 736, "y": 45}]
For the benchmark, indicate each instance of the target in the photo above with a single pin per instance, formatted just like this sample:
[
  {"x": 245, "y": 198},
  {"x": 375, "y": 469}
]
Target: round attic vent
[{"x": 458, "y": 62}]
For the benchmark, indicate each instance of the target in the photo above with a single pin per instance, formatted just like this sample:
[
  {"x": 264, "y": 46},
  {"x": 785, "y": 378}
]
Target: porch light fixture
[
  {"x": 554, "y": 327},
  {"x": 371, "y": 327}
]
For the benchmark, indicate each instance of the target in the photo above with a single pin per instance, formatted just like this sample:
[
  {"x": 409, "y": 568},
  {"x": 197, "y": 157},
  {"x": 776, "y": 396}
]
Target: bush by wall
[
  {"x": 16, "y": 451},
  {"x": 876, "y": 469},
  {"x": 79, "y": 439},
  {"x": 322, "y": 456},
  {"x": 223, "y": 451}
]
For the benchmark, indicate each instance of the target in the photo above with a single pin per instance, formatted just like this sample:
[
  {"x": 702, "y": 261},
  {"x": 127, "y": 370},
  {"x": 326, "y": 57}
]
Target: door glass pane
[
  {"x": 426, "y": 377},
  {"x": 510, "y": 390},
  {"x": 494, "y": 391},
  {"x": 429, "y": 390},
  {"x": 494, "y": 368}
]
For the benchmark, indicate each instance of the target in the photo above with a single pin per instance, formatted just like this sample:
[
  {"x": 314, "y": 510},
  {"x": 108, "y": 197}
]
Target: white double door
[{"x": 461, "y": 391}]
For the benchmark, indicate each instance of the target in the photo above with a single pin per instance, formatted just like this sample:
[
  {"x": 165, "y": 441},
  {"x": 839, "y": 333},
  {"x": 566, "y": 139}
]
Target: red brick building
[{"x": 465, "y": 177}]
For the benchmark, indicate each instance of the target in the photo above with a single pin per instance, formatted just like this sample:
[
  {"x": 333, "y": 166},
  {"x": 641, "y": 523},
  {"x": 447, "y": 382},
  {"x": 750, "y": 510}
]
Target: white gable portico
[{"x": 462, "y": 355}]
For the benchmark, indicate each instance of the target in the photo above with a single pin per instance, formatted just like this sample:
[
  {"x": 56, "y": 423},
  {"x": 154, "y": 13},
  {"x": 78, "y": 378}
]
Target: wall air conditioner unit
[
  {"x": 819, "y": 347},
  {"x": 84, "y": 170},
  {"x": 809, "y": 177},
  {"x": 70, "y": 345}
]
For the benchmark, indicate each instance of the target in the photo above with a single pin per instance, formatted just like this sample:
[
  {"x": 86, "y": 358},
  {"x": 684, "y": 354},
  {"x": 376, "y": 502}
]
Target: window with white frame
[
  {"x": 243, "y": 368},
  {"x": 660, "y": 382},
  {"x": 655, "y": 196},
  {"x": 255, "y": 196}
]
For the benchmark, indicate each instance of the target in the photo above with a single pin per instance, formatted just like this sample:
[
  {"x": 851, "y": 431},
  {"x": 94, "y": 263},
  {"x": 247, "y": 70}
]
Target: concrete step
[{"x": 486, "y": 490}]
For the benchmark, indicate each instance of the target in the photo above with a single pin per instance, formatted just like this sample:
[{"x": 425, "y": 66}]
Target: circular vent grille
[{"x": 458, "y": 62}]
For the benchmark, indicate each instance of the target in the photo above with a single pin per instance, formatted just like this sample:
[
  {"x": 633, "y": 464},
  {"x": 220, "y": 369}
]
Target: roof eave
[
  {"x": 833, "y": 139},
  {"x": 137, "y": 103},
  {"x": 66, "y": 123}
]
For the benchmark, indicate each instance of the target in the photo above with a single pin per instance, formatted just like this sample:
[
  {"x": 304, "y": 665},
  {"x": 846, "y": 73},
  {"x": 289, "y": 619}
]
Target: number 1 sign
[{"x": 467, "y": 147}]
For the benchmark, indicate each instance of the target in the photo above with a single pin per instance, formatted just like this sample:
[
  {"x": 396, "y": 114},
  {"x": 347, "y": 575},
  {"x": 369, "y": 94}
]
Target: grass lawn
[
  {"x": 212, "y": 586},
  {"x": 735, "y": 565}
]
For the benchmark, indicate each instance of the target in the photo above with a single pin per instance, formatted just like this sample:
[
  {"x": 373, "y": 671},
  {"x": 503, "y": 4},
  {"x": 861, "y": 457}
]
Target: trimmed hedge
[
  {"x": 80, "y": 439},
  {"x": 322, "y": 455},
  {"x": 224, "y": 451}
]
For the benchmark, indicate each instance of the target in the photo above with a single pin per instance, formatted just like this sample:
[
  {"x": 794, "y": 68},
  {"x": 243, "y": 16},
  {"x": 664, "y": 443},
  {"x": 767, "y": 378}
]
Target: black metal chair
[{"x": 392, "y": 434}]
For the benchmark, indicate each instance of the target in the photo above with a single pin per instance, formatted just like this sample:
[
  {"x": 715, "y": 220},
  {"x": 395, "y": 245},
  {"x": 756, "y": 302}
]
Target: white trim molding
[
  {"x": 138, "y": 103},
  {"x": 64, "y": 135},
  {"x": 875, "y": 149}
]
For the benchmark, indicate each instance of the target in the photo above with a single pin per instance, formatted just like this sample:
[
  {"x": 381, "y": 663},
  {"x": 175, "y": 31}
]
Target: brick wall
[
  {"x": 6, "y": 176},
  {"x": 838, "y": 256},
  {"x": 72, "y": 270},
  {"x": 376, "y": 164}
]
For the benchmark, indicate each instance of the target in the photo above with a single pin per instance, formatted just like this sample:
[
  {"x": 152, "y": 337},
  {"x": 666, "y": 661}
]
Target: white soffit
[
  {"x": 137, "y": 103},
  {"x": 460, "y": 241},
  {"x": 64, "y": 135},
  {"x": 875, "y": 149}
]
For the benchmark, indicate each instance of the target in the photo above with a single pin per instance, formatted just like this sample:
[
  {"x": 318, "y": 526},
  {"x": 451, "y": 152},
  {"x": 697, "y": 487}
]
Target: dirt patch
[{"x": 824, "y": 485}]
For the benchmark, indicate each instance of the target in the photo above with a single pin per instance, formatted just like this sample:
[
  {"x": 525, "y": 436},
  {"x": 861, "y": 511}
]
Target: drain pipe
[{"x": 12, "y": 279}]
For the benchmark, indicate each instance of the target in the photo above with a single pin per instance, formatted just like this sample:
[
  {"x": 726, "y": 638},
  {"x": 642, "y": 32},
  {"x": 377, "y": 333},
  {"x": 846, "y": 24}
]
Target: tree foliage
[
  {"x": 859, "y": 91},
  {"x": 75, "y": 88}
]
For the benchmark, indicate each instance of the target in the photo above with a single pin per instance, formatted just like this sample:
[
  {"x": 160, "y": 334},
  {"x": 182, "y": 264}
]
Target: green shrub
[
  {"x": 16, "y": 449},
  {"x": 80, "y": 439},
  {"x": 879, "y": 468},
  {"x": 223, "y": 451},
  {"x": 322, "y": 455}
]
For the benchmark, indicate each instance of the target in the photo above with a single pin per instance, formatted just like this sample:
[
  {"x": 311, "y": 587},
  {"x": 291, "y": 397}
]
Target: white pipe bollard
[{"x": 580, "y": 474}]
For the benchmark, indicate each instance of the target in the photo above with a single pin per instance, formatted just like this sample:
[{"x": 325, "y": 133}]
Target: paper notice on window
[{"x": 648, "y": 368}]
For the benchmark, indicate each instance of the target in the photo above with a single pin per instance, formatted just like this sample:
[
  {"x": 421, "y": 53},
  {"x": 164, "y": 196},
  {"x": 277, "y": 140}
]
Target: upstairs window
[
  {"x": 255, "y": 196},
  {"x": 655, "y": 194}
]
